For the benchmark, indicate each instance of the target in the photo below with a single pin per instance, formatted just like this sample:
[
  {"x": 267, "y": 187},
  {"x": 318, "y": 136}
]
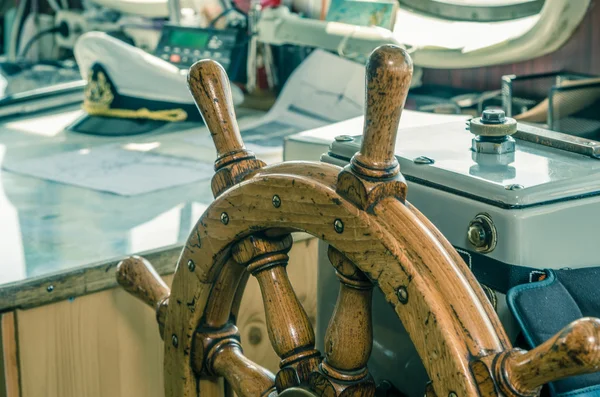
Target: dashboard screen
[{"x": 188, "y": 38}]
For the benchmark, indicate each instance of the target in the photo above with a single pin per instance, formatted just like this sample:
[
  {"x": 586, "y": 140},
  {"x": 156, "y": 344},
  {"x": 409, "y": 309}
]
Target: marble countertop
[{"x": 52, "y": 232}]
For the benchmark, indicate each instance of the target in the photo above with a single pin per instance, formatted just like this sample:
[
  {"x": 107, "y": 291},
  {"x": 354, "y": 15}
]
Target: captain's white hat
[{"x": 130, "y": 91}]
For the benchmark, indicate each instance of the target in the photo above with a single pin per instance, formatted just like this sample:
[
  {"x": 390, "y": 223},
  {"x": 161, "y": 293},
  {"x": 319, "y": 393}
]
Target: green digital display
[{"x": 188, "y": 38}]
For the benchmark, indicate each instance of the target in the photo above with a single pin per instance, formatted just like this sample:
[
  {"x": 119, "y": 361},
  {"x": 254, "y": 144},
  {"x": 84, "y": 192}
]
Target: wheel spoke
[
  {"x": 290, "y": 330},
  {"x": 349, "y": 336},
  {"x": 219, "y": 353},
  {"x": 246, "y": 378}
]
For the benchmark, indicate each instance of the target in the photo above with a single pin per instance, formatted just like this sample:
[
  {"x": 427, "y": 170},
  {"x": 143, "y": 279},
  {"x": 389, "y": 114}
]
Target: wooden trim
[
  {"x": 10, "y": 358},
  {"x": 80, "y": 281},
  {"x": 85, "y": 279}
]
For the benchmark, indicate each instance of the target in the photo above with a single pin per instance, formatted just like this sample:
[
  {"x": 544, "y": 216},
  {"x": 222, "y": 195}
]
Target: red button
[{"x": 175, "y": 58}]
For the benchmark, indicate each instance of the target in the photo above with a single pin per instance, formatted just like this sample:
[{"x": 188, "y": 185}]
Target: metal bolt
[
  {"x": 343, "y": 138},
  {"x": 493, "y": 116},
  {"x": 224, "y": 218},
  {"x": 514, "y": 186},
  {"x": 423, "y": 160},
  {"x": 477, "y": 235},
  {"x": 338, "y": 226},
  {"x": 50, "y": 288},
  {"x": 174, "y": 340},
  {"x": 482, "y": 233},
  {"x": 276, "y": 201},
  {"x": 402, "y": 295},
  {"x": 191, "y": 265}
]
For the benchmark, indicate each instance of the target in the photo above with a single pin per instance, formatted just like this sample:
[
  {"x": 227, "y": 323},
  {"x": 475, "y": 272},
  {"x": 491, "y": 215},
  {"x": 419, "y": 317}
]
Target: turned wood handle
[
  {"x": 137, "y": 276},
  {"x": 350, "y": 323},
  {"x": 573, "y": 351},
  {"x": 388, "y": 77},
  {"x": 209, "y": 85},
  {"x": 245, "y": 377}
]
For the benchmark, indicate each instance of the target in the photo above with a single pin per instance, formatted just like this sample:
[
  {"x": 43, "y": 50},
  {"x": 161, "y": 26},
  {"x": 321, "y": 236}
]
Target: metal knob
[{"x": 482, "y": 233}]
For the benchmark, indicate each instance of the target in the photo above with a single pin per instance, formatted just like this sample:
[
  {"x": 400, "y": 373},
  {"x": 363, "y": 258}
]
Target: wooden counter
[{"x": 66, "y": 330}]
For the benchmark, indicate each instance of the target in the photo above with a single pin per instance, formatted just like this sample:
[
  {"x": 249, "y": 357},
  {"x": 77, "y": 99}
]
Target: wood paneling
[
  {"x": 107, "y": 344},
  {"x": 103, "y": 344},
  {"x": 10, "y": 360},
  {"x": 580, "y": 54}
]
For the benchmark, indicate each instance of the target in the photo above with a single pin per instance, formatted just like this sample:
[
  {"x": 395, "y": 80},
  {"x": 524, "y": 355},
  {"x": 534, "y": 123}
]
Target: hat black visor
[{"x": 114, "y": 126}]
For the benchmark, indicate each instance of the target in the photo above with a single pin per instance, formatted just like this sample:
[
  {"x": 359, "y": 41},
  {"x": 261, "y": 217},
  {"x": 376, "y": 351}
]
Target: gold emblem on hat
[
  {"x": 97, "y": 94},
  {"x": 98, "y": 97}
]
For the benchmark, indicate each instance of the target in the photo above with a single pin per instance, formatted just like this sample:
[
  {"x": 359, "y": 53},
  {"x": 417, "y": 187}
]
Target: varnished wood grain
[
  {"x": 246, "y": 378},
  {"x": 388, "y": 77},
  {"x": 573, "y": 351},
  {"x": 314, "y": 210},
  {"x": 349, "y": 335},
  {"x": 233, "y": 173},
  {"x": 223, "y": 295},
  {"x": 289, "y": 327},
  {"x": 137, "y": 276},
  {"x": 10, "y": 357},
  {"x": 220, "y": 354},
  {"x": 373, "y": 172},
  {"x": 282, "y": 306},
  {"x": 447, "y": 289},
  {"x": 302, "y": 272},
  {"x": 210, "y": 88},
  {"x": 258, "y": 252},
  {"x": 367, "y": 192},
  {"x": 350, "y": 324},
  {"x": 249, "y": 209},
  {"x": 462, "y": 266},
  {"x": 483, "y": 372},
  {"x": 207, "y": 81},
  {"x": 326, "y": 173}
]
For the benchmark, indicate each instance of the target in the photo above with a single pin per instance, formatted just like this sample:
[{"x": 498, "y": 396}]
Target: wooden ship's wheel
[{"x": 376, "y": 238}]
